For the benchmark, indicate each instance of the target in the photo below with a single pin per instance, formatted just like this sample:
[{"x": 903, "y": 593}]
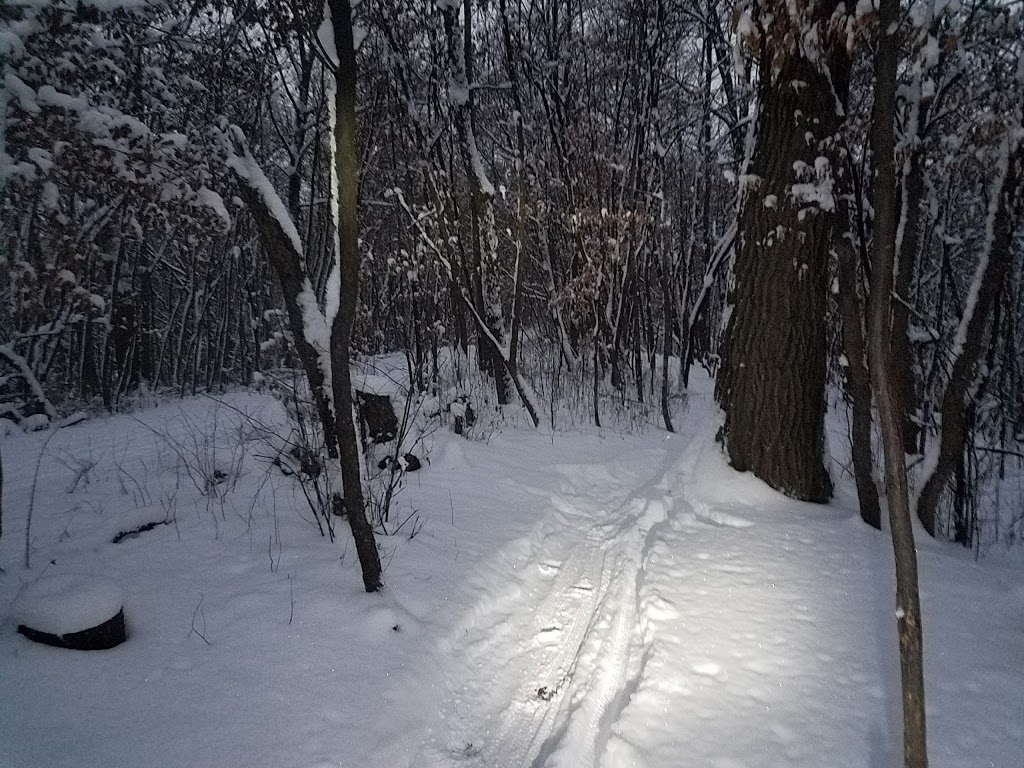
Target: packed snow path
[
  {"x": 690, "y": 617},
  {"x": 554, "y": 642}
]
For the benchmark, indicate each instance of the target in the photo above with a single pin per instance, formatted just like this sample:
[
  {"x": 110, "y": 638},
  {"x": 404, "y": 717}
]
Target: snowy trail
[
  {"x": 642, "y": 607},
  {"x": 585, "y": 654},
  {"x": 553, "y": 644},
  {"x": 747, "y": 606}
]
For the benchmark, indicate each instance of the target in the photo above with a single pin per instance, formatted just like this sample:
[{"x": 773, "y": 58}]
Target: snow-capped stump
[
  {"x": 377, "y": 414},
  {"x": 85, "y": 613},
  {"x": 409, "y": 462}
]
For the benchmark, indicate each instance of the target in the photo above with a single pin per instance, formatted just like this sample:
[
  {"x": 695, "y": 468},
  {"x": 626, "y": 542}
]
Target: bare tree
[{"x": 883, "y": 261}]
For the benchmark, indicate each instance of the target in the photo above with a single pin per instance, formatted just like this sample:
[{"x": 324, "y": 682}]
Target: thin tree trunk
[
  {"x": 484, "y": 235},
  {"x": 883, "y": 247},
  {"x": 667, "y": 314},
  {"x": 858, "y": 380},
  {"x": 288, "y": 264},
  {"x": 347, "y": 162},
  {"x": 520, "y": 270}
]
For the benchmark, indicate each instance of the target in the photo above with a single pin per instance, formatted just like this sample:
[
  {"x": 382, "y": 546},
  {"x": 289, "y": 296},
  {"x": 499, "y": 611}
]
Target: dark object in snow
[
  {"x": 133, "y": 533},
  {"x": 462, "y": 414},
  {"x": 300, "y": 460},
  {"x": 75, "y": 418},
  {"x": 110, "y": 634},
  {"x": 377, "y": 418},
  {"x": 407, "y": 463},
  {"x": 309, "y": 462}
]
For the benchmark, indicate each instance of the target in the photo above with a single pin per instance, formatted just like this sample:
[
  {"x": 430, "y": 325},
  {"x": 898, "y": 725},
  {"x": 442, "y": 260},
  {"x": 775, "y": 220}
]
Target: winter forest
[{"x": 653, "y": 364}]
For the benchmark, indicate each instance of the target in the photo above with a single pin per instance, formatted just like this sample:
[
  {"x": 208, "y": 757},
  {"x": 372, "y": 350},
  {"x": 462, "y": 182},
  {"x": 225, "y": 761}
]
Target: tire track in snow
[
  {"x": 620, "y": 648},
  {"x": 532, "y": 712},
  {"x": 578, "y": 655}
]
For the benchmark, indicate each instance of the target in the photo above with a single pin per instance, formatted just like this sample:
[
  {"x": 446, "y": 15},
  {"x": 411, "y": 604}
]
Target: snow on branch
[
  {"x": 20, "y": 364},
  {"x": 291, "y": 265},
  {"x": 526, "y": 392},
  {"x": 249, "y": 171}
]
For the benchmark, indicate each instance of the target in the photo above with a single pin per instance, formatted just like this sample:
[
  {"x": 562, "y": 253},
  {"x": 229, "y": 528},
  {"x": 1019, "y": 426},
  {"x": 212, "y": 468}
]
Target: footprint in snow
[
  {"x": 760, "y": 667},
  {"x": 548, "y": 570},
  {"x": 727, "y": 568},
  {"x": 707, "y": 669},
  {"x": 549, "y": 635},
  {"x": 658, "y": 608}
]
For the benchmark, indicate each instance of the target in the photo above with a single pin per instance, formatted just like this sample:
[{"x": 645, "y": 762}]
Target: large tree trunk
[
  {"x": 347, "y": 162},
  {"x": 883, "y": 256},
  {"x": 772, "y": 383}
]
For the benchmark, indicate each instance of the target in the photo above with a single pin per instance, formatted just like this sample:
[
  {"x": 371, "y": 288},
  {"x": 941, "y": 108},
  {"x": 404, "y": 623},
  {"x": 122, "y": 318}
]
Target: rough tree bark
[
  {"x": 772, "y": 382},
  {"x": 908, "y": 244},
  {"x": 883, "y": 257},
  {"x": 520, "y": 270},
  {"x": 1, "y": 498}
]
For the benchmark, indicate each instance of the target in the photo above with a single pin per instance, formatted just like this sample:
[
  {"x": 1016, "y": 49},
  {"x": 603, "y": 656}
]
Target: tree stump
[
  {"x": 463, "y": 415},
  {"x": 377, "y": 414},
  {"x": 83, "y": 613}
]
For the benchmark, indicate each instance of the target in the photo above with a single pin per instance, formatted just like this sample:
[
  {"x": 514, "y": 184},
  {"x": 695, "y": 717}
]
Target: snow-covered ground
[{"x": 583, "y": 598}]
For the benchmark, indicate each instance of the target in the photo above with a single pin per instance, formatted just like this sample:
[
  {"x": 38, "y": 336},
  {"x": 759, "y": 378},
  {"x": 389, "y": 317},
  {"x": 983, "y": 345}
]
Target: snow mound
[
  {"x": 61, "y": 605},
  {"x": 376, "y": 384}
]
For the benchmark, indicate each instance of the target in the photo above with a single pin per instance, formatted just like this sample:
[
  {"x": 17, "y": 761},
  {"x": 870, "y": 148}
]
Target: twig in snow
[
  {"x": 32, "y": 500},
  {"x": 291, "y": 598},
  {"x": 199, "y": 611}
]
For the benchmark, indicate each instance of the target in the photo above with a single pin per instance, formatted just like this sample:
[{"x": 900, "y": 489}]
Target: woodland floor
[{"x": 576, "y": 598}]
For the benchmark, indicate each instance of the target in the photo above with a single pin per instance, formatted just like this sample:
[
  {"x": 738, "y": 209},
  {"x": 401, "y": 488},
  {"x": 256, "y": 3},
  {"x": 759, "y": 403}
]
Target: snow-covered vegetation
[
  {"x": 576, "y": 331},
  {"x": 579, "y": 597}
]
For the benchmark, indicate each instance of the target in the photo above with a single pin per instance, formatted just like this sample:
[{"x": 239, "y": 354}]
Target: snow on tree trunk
[
  {"x": 1005, "y": 210},
  {"x": 284, "y": 249},
  {"x": 772, "y": 382},
  {"x": 484, "y": 247}
]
